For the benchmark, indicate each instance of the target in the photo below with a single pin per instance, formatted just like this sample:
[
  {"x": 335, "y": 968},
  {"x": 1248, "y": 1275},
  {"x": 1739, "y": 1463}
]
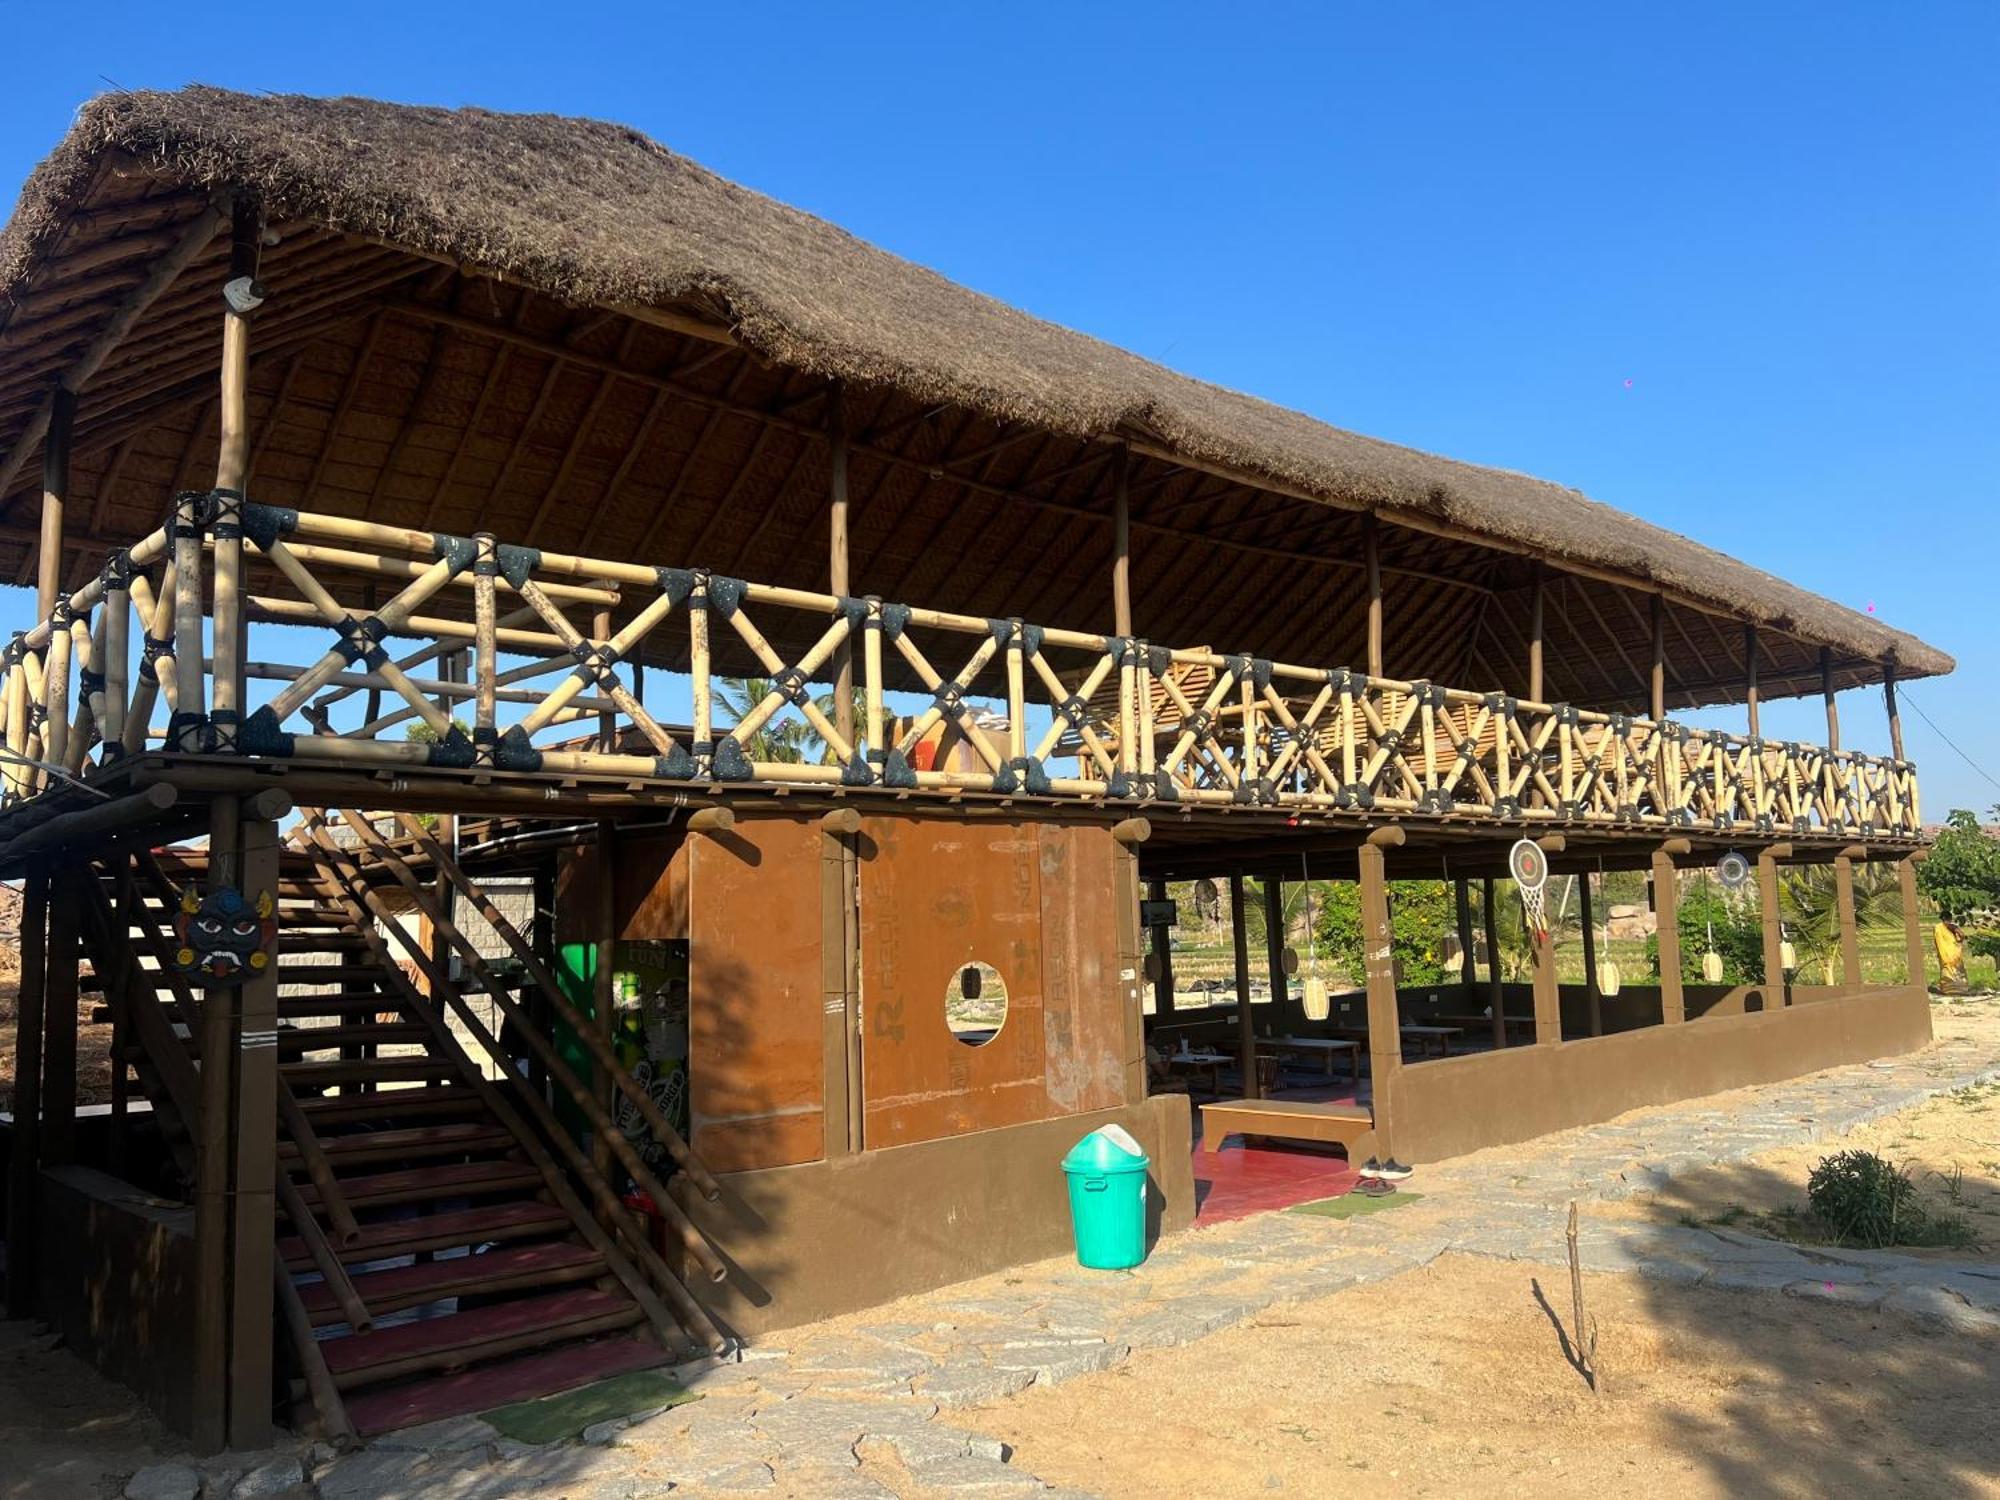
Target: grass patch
[
  {"x": 551, "y": 1419},
  {"x": 1352, "y": 1205}
]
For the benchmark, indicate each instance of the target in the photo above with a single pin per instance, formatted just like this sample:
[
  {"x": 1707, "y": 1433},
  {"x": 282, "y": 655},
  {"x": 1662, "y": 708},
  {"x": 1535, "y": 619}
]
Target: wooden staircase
[{"x": 444, "y": 1245}]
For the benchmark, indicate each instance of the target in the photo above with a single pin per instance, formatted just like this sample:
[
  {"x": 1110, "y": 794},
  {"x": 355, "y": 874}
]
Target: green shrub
[
  {"x": 1738, "y": 930},
  {"x": 1420, "y": 914},
  {"x": 1866, "y": 1199}
]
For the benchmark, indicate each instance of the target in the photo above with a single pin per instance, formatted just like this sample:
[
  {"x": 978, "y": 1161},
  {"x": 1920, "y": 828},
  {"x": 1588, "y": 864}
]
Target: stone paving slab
[{"x": 802, "y": 1417}]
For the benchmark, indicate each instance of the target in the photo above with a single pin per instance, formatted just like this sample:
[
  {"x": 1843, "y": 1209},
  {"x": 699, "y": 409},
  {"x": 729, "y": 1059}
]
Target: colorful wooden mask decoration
[{"x": 224, "y": 937}]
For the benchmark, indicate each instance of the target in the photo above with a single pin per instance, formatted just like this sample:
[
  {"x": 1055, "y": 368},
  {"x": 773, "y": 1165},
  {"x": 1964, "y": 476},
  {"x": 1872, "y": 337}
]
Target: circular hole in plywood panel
[{"x": 975, "y": 1003}]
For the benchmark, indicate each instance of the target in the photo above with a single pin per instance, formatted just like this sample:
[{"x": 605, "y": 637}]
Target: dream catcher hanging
[{"x": 1530, "y": 868}]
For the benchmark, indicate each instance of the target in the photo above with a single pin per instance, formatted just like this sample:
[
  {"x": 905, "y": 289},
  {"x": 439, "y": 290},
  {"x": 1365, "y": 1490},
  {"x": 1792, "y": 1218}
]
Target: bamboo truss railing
[{"x": 1118, "y": 720}]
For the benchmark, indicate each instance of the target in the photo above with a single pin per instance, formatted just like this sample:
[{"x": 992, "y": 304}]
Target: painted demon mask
[{"x": 224, "y": 939}]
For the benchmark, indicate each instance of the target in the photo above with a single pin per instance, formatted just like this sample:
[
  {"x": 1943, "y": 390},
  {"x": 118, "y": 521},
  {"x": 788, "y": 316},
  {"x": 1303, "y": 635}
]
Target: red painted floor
[{"x": 1241, "y": 1180}]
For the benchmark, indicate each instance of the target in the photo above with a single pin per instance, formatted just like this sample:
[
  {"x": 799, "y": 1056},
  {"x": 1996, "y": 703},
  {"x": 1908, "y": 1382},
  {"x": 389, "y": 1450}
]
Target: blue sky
[{"x": 1730, "y": 267}]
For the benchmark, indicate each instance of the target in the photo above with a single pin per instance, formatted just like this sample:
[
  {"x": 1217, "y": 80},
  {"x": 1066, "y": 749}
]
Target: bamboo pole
[
  {"x": 1589, "y": 921},
  {"x": 1916, "y": 971},
  {"x": 1850, "y": 939},
  {"x": 56, "y": 449},
  {"x": 1373, "y": 541},
  {"x": 1536, "y": 622},
  {"x": 1121, "y": 540},
  {"x": 241, "y": 297},
  {"x": 1767, "y": 903},
  {"x": 1826, "y": 692},
  {"x": 1385, "y": 1028},
  {"x": 1895, "y": 713},
  {"x": 24, "y": 1149},
  {"x": 837, "y": 546},
  {"x": 1659, "y": 666},
  {"x": 486, "y": 650},
  {"x": 327, "y": 1405},
  {"x": 184, "y": 731}
]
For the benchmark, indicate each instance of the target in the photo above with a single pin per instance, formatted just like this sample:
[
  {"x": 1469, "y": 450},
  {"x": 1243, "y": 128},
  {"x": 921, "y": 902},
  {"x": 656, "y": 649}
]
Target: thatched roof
[{"x": 593, "y": 213}]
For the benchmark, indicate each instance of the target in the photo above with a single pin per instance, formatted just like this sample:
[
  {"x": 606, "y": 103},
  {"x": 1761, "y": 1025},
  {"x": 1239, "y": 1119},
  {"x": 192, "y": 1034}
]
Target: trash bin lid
[{"x": 1109, "y": 1148}]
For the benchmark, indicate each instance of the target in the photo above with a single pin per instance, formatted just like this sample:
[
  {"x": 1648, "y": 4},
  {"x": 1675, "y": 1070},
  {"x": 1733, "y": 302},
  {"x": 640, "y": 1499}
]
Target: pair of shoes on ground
[{"x": 1389, "y": 1171}]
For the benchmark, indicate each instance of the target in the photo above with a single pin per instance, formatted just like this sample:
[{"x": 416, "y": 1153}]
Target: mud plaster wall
[
  {"x": 1460, "y": 1104},
  {"x": 831, "y": 1237},
  {"x": 117, "y": 1282}
]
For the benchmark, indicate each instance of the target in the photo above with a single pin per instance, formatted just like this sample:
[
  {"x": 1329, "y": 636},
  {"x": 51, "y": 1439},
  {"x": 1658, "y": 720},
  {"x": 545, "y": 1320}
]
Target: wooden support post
[
  {"x": 1667, "y": 930},
  {"x": 1121, "y": 541},
  {"x": 602, "y": 977},
  {"x": 1751, "y": 703},
  {"x": 64, "y": 954},
  {"x": 215, "y": 1121},
  {"x": 607, "y": 718},
  {"x": 1385, "y": 1022},
  {"x": 1843, "y": 901},
  {"x": 1246, "y": 1034},
  {"x": 1163, "y": 957},
  {"x": 1274, "y": 947},
  {"x": 1915, "y": 953},
  {"x": 241, "y": 297},
  {"x": 837, "y": 924},
  {"x": 24, "y": 1151},
  {"x": 1775, "y": 988},
  {"x": 1536, "y": 612},
  {"x": 1588, "y": 918},
  {"x": 1548, "y": 995},
  {"x": 1826, "y": 692},
  {"x": 1895, "y": 713},
  {"x": 1659, "y": 681},
  {"x": 1468, "y": 974},
  {"x": 1131, "y": 946},
  {"x": 837, "y": 576},
  {"x": 1374, "y": 563},
  {"x": 1496, "y": 993},
  {"x": 253, "y": 1168},
  {"x": 56, "y": 447}
]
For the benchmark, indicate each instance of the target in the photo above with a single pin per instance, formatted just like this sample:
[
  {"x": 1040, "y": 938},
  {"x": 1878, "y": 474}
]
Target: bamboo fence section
[{"x": 1035, "y": 711}]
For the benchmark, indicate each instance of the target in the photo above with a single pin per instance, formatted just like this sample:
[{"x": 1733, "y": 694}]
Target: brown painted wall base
[
  {"x": 117, "y": 1281},
  {"x": 830, "y": 1237},
  {"x": 1461, "y": 1104}
]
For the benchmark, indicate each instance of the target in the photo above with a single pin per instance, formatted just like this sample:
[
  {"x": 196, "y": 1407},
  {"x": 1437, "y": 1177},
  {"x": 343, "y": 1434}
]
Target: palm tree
[
  {"x": 783, "y": 738},
  {"x": 1808, "y": 901}
]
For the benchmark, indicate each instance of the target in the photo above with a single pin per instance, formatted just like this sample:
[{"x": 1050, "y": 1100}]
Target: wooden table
[
  {"x": 1442, "y": 1035},
  {"x": 1213, "y": 1061},
  {"x": 1329, "y": 1047},
  {"x": 1485, "y": 1023}
]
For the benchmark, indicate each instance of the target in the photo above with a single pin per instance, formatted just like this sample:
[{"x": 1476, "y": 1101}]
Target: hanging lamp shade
[
  {"x": 1788, "y": 956},
  {"x": 1451, "y": 957},
  {"x": 1316, "y": 1004},
  {"x": 1711, "y": 966},
  {"x": 1607, "y": 978}
]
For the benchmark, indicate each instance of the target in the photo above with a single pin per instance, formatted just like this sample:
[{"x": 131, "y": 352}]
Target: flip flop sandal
[{"x": 1375, "y": 1187}]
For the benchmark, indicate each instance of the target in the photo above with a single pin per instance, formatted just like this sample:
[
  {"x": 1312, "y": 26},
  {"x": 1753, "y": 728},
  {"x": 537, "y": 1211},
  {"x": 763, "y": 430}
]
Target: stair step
[
  {"x": 462, "y": 1339},
  {"x": 293, "y": 1040},
  {"x": 405, "y": 1145},
  {"x": 349, "y": 1003},
  {"x": 341, "y": 974},
  {"x": 395, "y": 1104},
  {"x": 499, "y": 1224},
  {"x": 523, "y": 1378},
  {"x": 516, "y": 1268},
  {"x": 309, "y": 1076},
  {"x": 471, "y": 1179}
]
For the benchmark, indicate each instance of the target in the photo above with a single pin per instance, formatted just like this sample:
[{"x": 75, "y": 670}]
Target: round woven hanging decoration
[
  {"x": 1528, "y": 865},
  {"x": 1732, "y": 870}
]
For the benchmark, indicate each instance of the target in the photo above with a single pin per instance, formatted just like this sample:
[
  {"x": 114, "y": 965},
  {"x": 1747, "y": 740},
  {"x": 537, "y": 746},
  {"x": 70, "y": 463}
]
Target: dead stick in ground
[{"x": 1586, "y": 1347}]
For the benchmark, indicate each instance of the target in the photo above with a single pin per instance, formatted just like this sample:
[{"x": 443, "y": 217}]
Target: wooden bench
[{"x": 1288, "y": 1120}]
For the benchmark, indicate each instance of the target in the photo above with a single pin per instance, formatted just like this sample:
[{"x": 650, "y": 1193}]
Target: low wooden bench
[{"x": 1288, "y": 1120}]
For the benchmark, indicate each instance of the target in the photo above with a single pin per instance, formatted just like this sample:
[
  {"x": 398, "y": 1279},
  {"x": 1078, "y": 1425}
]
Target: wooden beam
[
  {"x": 836, "y": 556},
  {"x": 1666, "y": 923},
  {"x": 1121, "y": 541},
  {"x": 1373, "y": 545},
  {"x": 1826, "y": 692},
  {"x": 1385, "y": 1024},
  {"x": 1895, "y": 713},
  {"x": 1768, "y": 912},
  {"x": 1843, "y": 901},
  {"x": 194, "y": 239},
  {"x": 1535, "y": 631},
  {"x": 55, "y": 499},
  {"x": 1750, "y": 693},
  {"x": 1659, "y": 664}
]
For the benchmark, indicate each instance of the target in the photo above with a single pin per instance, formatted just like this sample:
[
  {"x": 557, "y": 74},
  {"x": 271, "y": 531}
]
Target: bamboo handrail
[
  {"x": 559, "y": 1069},
  {"x": 600, "y": 1050},
  {"x": 345, "y": 890}
]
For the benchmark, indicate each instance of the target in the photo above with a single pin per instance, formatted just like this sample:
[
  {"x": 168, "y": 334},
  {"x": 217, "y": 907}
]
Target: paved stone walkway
[{"x": 811, "y": 1417}]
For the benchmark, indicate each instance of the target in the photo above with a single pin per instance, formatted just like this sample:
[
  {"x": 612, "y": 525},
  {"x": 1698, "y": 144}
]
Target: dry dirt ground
[
  {"x": 1453, "y": 1381},
  {"x": 66, "y": 1432},
  {"x": 1950, "y": 1146},
  {"x": 93, "y": 1050}
]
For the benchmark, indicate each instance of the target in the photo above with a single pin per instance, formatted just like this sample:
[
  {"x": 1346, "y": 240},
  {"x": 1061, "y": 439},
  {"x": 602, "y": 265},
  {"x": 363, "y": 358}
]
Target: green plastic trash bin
[{"x": 1107, "y": 1198}]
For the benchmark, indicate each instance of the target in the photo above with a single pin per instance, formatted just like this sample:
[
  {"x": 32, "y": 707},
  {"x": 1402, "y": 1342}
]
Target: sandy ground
[
  {"x": 93, "y": 1050},
  {"x": 66, "y": 1432},
  {"x": 1950, "y": 1146},
  {"x": 1454, "y": 1381}
]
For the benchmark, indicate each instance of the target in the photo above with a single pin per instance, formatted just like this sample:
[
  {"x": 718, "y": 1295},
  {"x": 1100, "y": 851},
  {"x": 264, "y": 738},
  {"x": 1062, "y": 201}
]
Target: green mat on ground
[
  {"x": 550, "y": 1419},
  {"x": 1350, "y": 1205}
]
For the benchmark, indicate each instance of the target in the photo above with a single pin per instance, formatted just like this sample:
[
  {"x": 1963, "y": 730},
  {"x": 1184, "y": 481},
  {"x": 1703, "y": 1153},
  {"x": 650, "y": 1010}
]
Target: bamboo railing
[{"x": 470, "y": 624}]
